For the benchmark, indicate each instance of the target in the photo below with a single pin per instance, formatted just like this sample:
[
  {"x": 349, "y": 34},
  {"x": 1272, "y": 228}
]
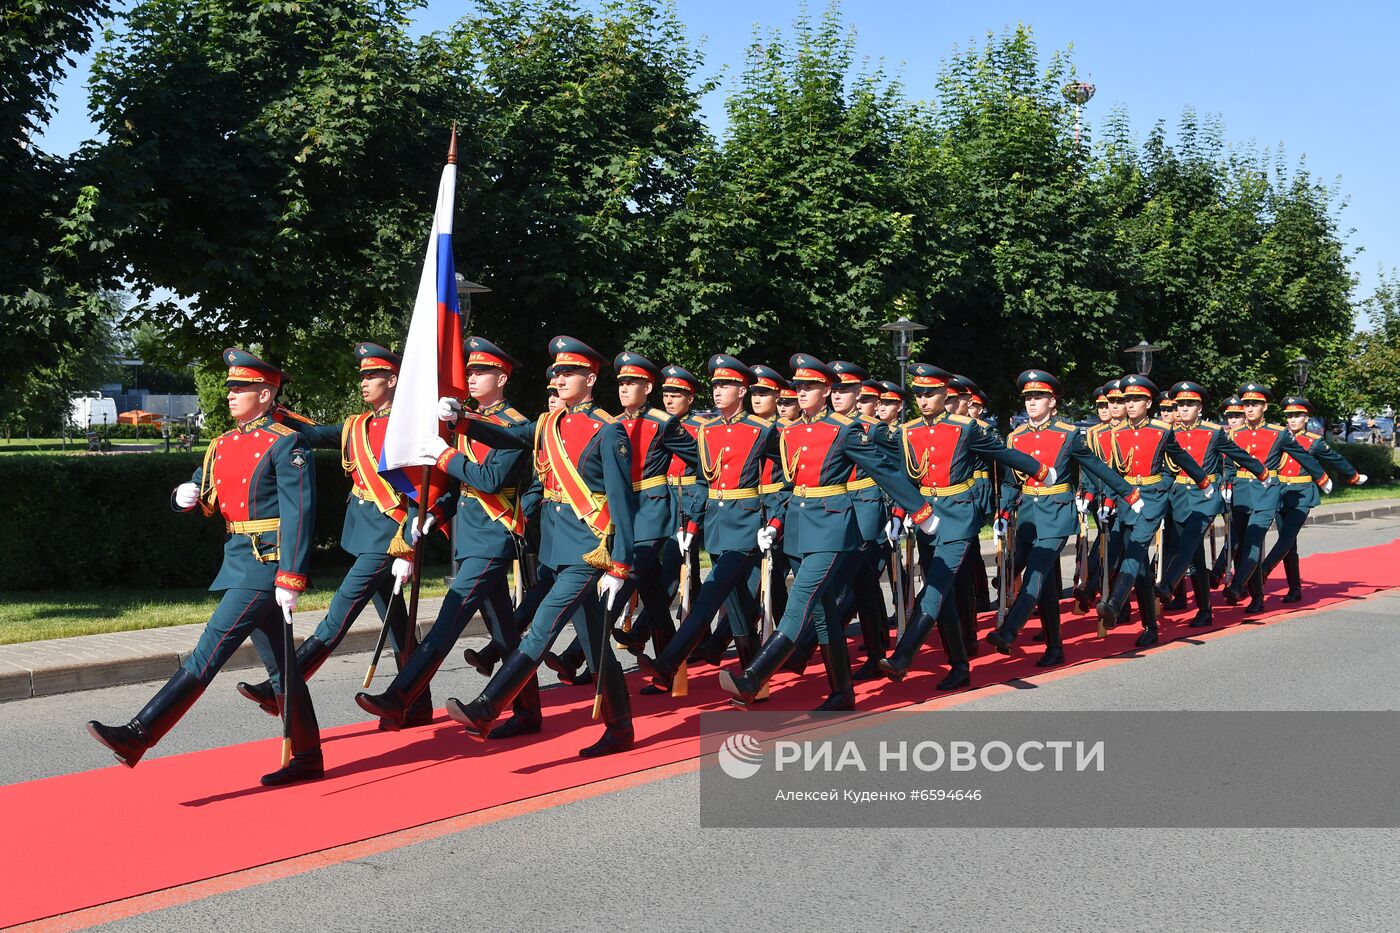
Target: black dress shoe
[
  {"x": 384, "y": 705},
  {"x": 482, "y": 666},
  {"x": 1106, "y": 613},
  {"x": 1202, "y": 619},
  {"x": 998, "y": 641},
  {"x": 1148, "y": 637},
  {"x": 1178, "y": 602},
  {"x": 1051, "y": 658},
  {"x": 516, "y": 725},
  {"x": 124, "y": 741},
  {"x": 615, "y": 739},
  {"x": 1255, "y": 607},
  {"x": 1294, "y": 595},
  {"x": 1232, "y": 595},
  {"x": 307, "y": 767},
  {"x": 262, "y": 695},
  {"x": 661, "y": 678},
  {"x": 475, "y": 716},
  {"x": 567, "y": 675},
  {"x": 1039, "y": 636},
  {"x": 651, "y": 690},
  {"x": 1164, "y": 595},
  {"x": 957, "y": 679}
]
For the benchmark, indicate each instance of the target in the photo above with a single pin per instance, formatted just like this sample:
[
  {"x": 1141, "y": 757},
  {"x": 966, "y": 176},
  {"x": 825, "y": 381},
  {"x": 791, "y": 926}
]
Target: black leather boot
[
  {"x": 484, "y": 660},
  {"x": 618, "y": 735},
  {"x": 568, "y": 664},
  {"x": 1147, "y": 605},
  {"x": 1050, "y": 620},
  {"x": 960, "y": 673},
  {"x": 525, "y": 718},
  {"x": 802, "y": 650},
  {"x": 407, "y": 702},
  {"x": 746, "y": 685},
  {"x": 1256, "y": 595},
  {"x": 712, "y": 649},
  {"x": 915, "y": 634},
  {"x": 1295, "y": 576},
  {"x": 1200, "y": 588},
  {"x": 837, "y": 658},
  {"x": 131, "y": 741},
  {"x": 1111, "y": 606},
  {"x": 478, "y": 715},
  {"x": 307, "y": 763},
  {"x": 311, "y": 654}
]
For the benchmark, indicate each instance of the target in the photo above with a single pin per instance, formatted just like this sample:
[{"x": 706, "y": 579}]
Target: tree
[
  {"x": 1370, "y": 377},
  {"x": 38, "y": 404},
  {"x": 271, "y": 164},
  {"x": 50, "y": 256},
  {"x": 798, "y": 232}
]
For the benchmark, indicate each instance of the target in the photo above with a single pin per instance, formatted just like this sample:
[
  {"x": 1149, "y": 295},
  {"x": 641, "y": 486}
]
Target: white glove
[
  {"x": 1137, "y": 506},
  {"x": 449, "y": 409},
  {"x": 683, "y": 538},
  {"x": 929, "y": 525},
  {"x": 1360, "y": 479},
  {"x": 430, "y": 445},
  {"x": 999, "y": 528},
  {"x": 1327, "y": 487},
  {"x": 1105, "y": 511},
  {"x": 893, "y": 529},
  {"x": 403, "y": 572},
  {"x": 1208, "y": 492},
  {"x": 1050, "y": 477},
  {"x": 186, "y": 495},
  {"x": 1227, "y": 493},
  {"x": 765, "y": 537},
  {"x": 608, "y": 588},
  {"x": 413, "y": 529},
  {"x": 1081, "y": 504},
  {"x": 287, "y": 599}
]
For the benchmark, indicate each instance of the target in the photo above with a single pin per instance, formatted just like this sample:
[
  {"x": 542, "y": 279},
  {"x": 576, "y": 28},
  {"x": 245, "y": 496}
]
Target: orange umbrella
[{"x": 137, "y": 416}]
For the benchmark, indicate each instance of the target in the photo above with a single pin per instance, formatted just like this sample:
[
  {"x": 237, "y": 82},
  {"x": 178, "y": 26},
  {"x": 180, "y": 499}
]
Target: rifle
[
  {"x": 1081, "y": 550},
  {"x": 897, "y": 582},
  {"x": 1160, "y": 558},
  {"x": 1104, "y": 527},
  {"x": 411, "y": 627},
  {"x": 680, "y": 684},
  {"x": 289, "y": 671}
]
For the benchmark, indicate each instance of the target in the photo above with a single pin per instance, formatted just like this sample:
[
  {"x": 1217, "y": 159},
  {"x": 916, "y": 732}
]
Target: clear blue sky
[{"x": 1320, "y": 79}]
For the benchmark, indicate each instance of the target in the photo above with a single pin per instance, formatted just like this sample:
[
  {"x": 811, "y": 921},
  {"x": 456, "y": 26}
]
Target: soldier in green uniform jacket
[
  {"x": 820, "y": 530},
  {"x": 488, "y": 528},
  {"x": 1192, "y": 511},
  {"x": 1299, "y": 494},
  {"x": 260, "y": 480},
  {"x": 1045, "y": 514},
  {"x": 376, "y": 515},
  {"x": 1258, "y": 494},
  {"x": 942, "y": 451},
  {"x": 582, "y": 461}
]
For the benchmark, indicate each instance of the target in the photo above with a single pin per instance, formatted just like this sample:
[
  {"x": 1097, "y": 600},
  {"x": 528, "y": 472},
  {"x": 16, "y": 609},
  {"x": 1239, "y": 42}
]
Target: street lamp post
[
  {"x": 1302, "y": 366},
  {"x": 902, "y": 334},
  {"x": 1142, "y": 356},
  {"x": 465, "y": 290}
]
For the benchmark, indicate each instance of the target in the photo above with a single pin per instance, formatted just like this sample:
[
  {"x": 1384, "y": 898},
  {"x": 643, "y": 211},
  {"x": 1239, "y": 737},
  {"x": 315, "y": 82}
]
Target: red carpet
[{"x": 91, "y": 838}]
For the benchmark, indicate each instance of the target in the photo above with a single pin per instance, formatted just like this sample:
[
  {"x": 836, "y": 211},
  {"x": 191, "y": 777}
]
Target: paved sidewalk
[{"x": 89, "y": 662}]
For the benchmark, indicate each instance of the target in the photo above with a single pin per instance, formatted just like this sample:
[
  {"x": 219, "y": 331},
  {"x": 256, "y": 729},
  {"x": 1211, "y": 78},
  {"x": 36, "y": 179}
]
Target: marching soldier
[
  {"x": 1140, "y": 448},
  {"x": 732, "y": 448},
  {"x": 1045, "y": 514},
  {"x": 787, "y": 404},
  {"x": 1257, "y": 494},
  {"x": 376, "y": 518},
  {"x": 1299, "y": 495},
  {"x": 890, "y": 411},
  {"x": 260, "y": 478},
  {"x": 941, "y": 452},
  {"x": 657, "y": 438},
  {"x": 489, "y": 525},
  {"x": 973, "y": 585},
  {"x": 1193, "y": 512},
  {"x": 1236, "y": 517},
  {"x": 763, "y": 397},
  {"x": 868, "y": 402},
  {"x": 582, "y": 461},
  {"x": 822, "y": 536}
]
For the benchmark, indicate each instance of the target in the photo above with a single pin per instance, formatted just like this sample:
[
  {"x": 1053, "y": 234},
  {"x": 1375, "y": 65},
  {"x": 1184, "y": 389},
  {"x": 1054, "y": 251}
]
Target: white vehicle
[{"x": 91, "y": 410}]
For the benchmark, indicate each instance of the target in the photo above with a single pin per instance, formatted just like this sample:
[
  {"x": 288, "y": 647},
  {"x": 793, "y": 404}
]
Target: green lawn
[
  {"x": 54, "y": 445},
  {"x": 1356, "y": 493},
  {"x": 62, "y": 613}
]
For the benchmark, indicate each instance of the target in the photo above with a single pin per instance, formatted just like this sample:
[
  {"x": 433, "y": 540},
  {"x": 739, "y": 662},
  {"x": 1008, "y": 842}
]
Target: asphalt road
[{"x": 637, "y": 858}]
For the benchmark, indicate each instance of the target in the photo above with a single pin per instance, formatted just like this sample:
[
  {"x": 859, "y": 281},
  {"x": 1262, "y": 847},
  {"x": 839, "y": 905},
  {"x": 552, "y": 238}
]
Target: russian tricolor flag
[{"x": 433, "y": 364}]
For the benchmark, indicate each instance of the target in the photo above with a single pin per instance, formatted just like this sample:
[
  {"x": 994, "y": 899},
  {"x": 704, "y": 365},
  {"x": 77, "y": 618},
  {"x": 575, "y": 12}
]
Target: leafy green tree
[
  {"x": 50, "y": 256},
  {"x": 1370, "y": 377},
  {"x": 271, "y": 164}
]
